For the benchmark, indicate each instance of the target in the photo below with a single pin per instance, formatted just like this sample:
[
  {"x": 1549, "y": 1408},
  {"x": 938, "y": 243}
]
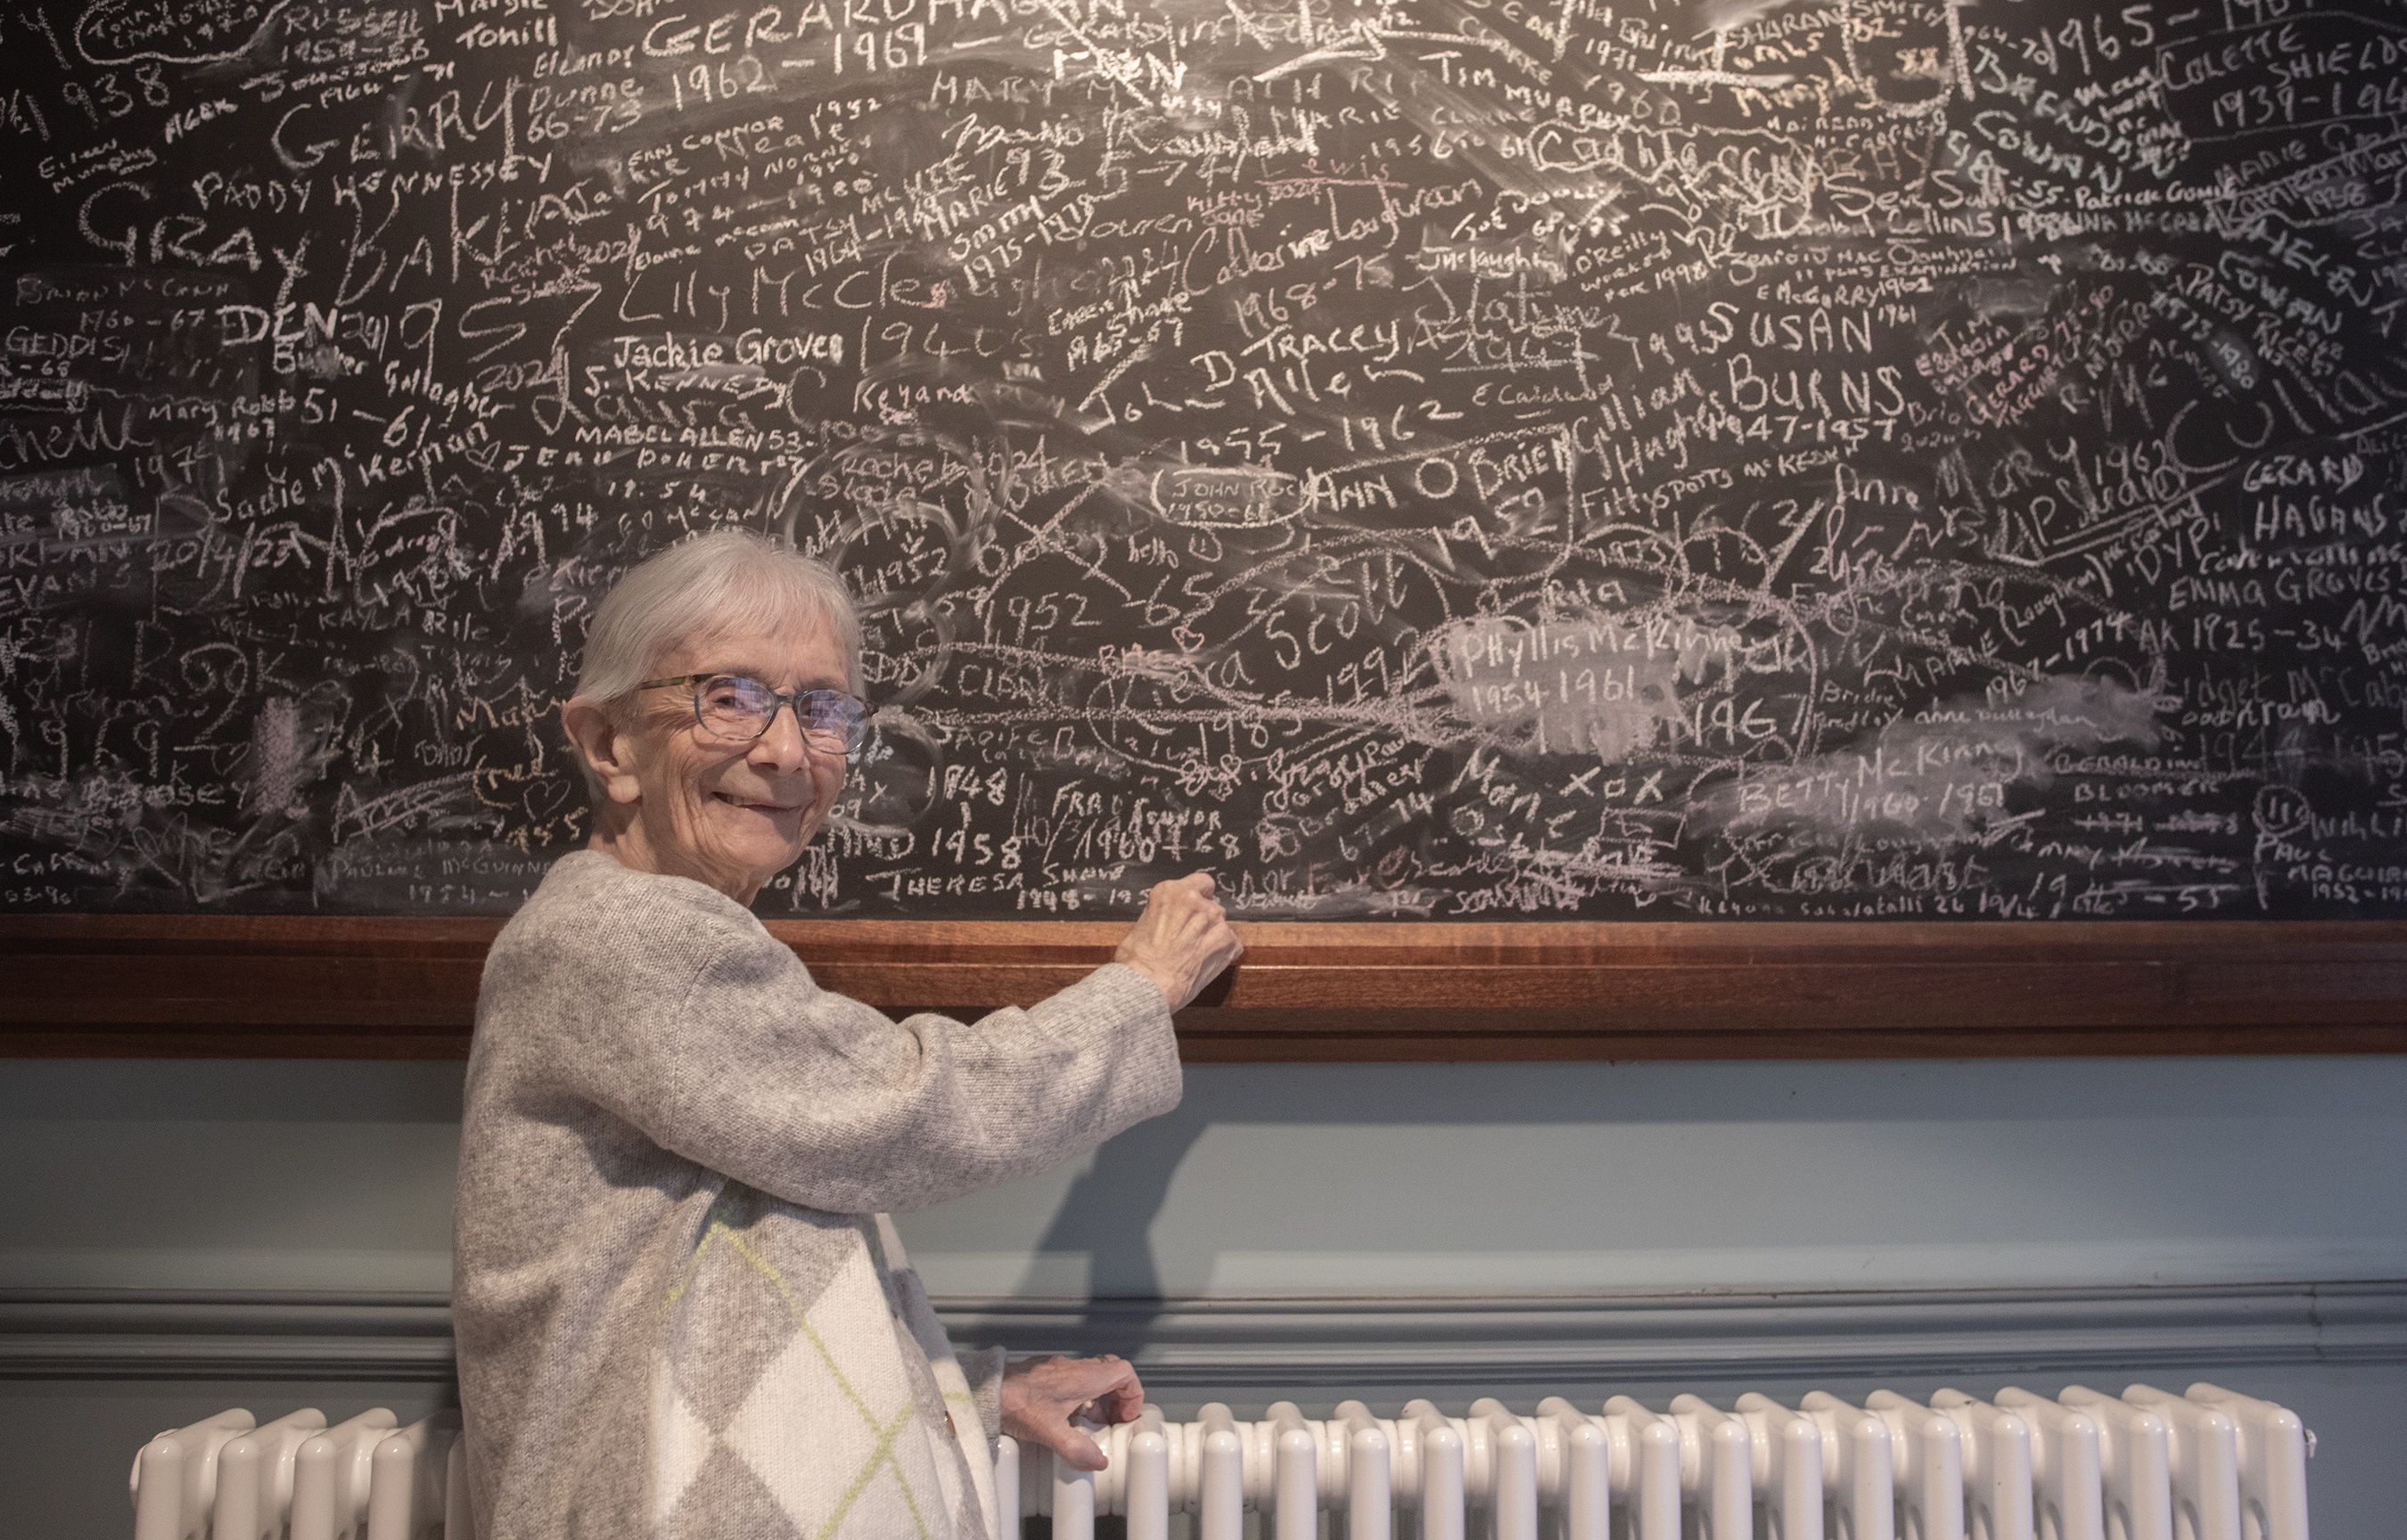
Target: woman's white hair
[{"x": 715, "y": 583}]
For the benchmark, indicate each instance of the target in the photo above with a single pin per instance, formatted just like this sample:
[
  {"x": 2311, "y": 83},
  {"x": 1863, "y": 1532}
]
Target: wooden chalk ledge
[{"x": 255, "y": 986}]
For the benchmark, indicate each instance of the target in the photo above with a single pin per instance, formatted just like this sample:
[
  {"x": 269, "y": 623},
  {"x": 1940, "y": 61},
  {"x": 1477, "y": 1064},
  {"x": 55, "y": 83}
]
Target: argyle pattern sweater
[{"x": 680, "y": 1310}]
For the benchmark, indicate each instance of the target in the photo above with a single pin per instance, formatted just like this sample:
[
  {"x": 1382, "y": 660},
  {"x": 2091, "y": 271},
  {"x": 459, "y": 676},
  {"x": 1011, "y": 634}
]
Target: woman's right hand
[{"x": 1182, "y": 940}]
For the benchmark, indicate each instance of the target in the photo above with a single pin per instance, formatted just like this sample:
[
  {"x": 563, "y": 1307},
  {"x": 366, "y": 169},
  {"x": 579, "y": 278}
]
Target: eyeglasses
[{"x": 736, "y": 709}]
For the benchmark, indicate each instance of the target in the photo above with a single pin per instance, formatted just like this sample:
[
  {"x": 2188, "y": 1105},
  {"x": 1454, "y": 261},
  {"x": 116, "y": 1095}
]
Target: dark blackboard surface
[{"x": 1506, "y": 458}]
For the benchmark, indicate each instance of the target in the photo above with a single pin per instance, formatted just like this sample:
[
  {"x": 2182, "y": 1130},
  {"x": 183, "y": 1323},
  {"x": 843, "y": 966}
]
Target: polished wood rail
[{"x": 363, "y": 987}]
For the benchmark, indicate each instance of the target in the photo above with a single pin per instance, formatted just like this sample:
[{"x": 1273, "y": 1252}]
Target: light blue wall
[
  {"x": 1577, "y": 1178},
  {"x": 1442, "y": 1179}
]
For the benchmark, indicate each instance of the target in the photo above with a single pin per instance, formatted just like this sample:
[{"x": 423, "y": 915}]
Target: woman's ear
[{"x": 607, "y": 748}]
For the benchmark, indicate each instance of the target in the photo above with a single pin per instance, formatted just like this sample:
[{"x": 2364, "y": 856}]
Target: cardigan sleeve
[
  {"x": 758, "y": 1073},
  {"x": 983, "y": 1367}
]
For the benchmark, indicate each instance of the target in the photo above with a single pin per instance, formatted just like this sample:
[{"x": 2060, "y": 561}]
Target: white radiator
[{"x": 2147, "y": 1465}]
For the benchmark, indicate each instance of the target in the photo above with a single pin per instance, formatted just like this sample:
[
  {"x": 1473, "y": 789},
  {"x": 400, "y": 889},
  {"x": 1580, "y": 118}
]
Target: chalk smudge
[
  {"x": 1598, "y": 686},
  {"x": 1939, "y": 776},
  {"x": 279, "y": 759}
]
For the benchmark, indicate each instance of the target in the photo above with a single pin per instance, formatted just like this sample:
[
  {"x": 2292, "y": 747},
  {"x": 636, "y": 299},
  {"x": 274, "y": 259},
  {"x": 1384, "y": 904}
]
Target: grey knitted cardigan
[{"x": 679, "y": 1309}]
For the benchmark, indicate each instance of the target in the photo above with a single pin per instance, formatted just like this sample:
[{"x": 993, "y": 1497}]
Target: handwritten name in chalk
[{"x": 752, "y": 348}]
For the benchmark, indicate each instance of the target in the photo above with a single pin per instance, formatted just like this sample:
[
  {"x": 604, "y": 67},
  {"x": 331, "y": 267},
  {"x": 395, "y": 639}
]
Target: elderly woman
[{"x": 680, "y": 1308}]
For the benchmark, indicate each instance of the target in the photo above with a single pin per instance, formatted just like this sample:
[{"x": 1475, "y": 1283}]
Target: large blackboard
[{"x": 1505, "y": 458}]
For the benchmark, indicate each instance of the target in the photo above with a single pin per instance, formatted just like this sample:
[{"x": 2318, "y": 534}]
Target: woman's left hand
[{"x": 1040, "y": 1396}]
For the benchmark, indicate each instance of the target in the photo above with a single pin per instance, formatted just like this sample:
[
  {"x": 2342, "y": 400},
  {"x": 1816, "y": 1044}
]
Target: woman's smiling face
[{"x": 732, "y": 815}]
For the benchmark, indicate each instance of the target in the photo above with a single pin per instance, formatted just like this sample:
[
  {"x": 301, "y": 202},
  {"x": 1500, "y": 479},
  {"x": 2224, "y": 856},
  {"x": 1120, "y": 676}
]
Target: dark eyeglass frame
[{"x": 855, "y": 736}]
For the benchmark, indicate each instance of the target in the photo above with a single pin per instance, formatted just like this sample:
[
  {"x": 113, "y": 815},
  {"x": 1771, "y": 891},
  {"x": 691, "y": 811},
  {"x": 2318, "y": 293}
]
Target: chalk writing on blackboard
[{"x": 1516, "y": 458}]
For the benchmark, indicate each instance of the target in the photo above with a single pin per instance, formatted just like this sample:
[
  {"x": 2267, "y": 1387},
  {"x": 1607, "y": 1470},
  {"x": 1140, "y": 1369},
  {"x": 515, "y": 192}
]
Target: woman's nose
[{"x": 781, "y": 747}]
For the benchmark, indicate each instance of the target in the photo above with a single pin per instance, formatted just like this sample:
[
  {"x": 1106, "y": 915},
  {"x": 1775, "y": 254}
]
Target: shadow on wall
[{"x": 1107, "y": 1215}]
